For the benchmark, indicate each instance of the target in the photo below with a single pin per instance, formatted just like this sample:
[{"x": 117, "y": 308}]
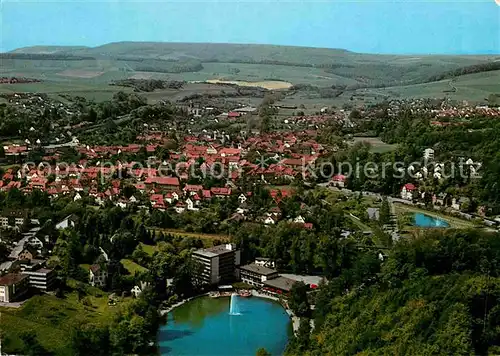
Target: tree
[
  {"x": 302, "y": 338},
  {"x": 298, "y": 301},
  {"x": 262, "y": 352},
  {"x": 385, "y": 212},
  {"x": 265, "y": 123}
]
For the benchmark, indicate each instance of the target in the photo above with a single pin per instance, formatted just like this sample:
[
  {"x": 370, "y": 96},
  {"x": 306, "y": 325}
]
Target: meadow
[
  {"x": 52, "y": 319},
  {"x": 376, "y": 144}
]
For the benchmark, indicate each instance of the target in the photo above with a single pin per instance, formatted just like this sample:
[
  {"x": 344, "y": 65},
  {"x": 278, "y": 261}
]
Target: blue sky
[{"x": 371, "y": 26}]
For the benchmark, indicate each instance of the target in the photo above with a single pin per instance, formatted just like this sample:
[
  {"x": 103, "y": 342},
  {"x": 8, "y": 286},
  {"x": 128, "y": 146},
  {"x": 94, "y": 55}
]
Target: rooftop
[
  {"x": 252, "y": 267},
  {"x": 11, "y": 278},
  {"x": 282, "y": 283},
  {"x": 39, "y": 271},
  {"x": 307, "y": 279},
  {"x": 216, "y": 250}
]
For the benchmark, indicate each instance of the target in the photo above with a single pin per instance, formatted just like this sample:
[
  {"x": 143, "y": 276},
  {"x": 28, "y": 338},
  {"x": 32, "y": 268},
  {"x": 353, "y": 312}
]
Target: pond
[
  {"x": 423, "y": 220},
  {"x": 204, "y": 326}
]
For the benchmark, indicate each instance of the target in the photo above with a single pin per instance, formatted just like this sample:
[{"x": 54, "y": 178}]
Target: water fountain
[{"x": 233, "y": 305}]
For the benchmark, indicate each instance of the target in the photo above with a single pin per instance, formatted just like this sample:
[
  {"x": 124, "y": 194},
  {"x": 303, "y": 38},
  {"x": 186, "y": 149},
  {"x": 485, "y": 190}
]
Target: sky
[{"x": 368, "y": 26}]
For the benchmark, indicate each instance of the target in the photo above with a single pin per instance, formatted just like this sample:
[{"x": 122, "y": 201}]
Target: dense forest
[{"x": 438, "y": 293}]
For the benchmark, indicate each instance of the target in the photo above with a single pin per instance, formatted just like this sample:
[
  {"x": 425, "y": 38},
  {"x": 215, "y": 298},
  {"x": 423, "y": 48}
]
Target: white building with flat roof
[{"x": 218, "y": 263}]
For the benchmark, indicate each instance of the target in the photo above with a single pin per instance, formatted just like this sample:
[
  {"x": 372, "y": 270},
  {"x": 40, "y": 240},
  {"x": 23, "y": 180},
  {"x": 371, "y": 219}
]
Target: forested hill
[
  {"x": 362, "y": 69},
  {"x": 438, "y": 294}
]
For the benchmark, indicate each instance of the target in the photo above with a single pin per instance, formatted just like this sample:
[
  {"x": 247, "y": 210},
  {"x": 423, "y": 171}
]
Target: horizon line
[{"x": 482, "y": 53}]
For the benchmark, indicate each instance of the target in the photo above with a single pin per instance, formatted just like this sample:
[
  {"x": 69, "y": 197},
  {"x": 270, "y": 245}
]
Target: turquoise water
[
  {"x": 203, "y": 326},
  {"x": 423, "y": 220}
]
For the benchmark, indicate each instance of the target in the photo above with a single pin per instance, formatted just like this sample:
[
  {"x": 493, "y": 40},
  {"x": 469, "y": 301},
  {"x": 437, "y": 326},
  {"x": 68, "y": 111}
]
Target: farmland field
[
  {"x": 267, "y": 84},
  {"x": 80, "y": 73}
]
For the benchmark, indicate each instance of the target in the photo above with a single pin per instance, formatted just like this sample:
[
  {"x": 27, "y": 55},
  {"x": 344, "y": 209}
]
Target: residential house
[
  {"x": 138, "y": 289},
  {"x": 27, "y": 253},
  {"x": 221, "y": 192},
  {"x": 242, "y": 198},
  {"x": 180, "y": 207},
  {"x": 460, "y": 203},
  {"x": 190, "y": 189},
  {"x": 428, "y": 154},
  {"x": 190, "y": 205},
  {"x": 439, "y": 199},
  {"x": 338, "y": 180},
  {"x": 270, "y": 220},
  {"x": 170, "y": 197},
  {"x": 98, "y": 275},
  {"x": 299, "y": 220},
  {"x": 408, "y": 191},
  {"x": 68, "y": 222}
]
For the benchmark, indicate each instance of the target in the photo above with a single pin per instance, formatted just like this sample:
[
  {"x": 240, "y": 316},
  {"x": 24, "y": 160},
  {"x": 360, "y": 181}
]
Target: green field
[
  {"x": 376, "y": 144},
  {"x": 52, "y": 319},
  {"x": 132, "y": 267},
  {"x": 149, "y": 249}
]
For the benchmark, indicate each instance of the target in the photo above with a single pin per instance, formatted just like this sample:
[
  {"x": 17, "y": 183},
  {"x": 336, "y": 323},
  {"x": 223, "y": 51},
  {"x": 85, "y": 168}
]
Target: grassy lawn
[
  {"x": 454, "y": 222},
  {"x": 149, "y": 249},
  {"x": 131, "y": 266},
  {"x": 52, "y": 319},
  {"x": 377, "y": 145}
]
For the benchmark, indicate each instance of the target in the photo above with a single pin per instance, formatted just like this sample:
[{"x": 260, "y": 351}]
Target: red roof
[
  {"x": 156, "y": 197},
  {"x": 339, "y": 178},
  {"x": 193, "y": 188},
  {"x": 220, "y": 191},
  {"x": 172, "y": 181},
  {"x": 233, "y": 114},
  {"x": 230, "y": 151},
  {"x": 140, "y": 186},
  {"x": 409, "y": 186},
  {"x": 12, "y": 278}
]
